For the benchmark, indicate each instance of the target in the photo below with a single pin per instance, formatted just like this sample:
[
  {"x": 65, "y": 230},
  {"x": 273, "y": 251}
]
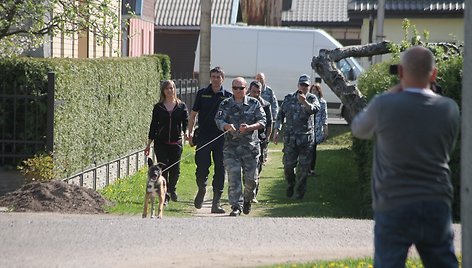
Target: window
[{"x": 286, "y": 5}]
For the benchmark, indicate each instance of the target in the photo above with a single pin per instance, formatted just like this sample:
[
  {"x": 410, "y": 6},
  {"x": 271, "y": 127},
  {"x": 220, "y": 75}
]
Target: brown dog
[{"x": 156, "y": 184}]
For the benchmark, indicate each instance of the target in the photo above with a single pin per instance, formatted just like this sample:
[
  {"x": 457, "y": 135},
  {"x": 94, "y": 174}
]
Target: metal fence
[
  {"x": 26, "y": 121},
  {"x": 187, "y": 90},
  {"x": 102, "y": 175}
]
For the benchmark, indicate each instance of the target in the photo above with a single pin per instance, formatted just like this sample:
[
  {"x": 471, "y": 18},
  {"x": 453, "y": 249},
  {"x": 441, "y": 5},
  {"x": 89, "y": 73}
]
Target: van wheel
[{"x": 344, "y": 112}]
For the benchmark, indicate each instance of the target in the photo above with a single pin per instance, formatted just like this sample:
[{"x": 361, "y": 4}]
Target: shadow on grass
[{"x": 333, "y": 192}]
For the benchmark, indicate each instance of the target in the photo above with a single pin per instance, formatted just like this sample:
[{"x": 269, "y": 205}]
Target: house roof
[
  {"x": 408, "y": 6},
  {"x": 186, "y": 13},
  {"x": 316, "y": 11}
]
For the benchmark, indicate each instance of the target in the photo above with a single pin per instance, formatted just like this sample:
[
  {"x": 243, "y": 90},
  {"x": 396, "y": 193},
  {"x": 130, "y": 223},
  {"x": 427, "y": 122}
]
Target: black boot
[
  {"x": 216, "y": 206},
  {"x": 198, "y": 202}
]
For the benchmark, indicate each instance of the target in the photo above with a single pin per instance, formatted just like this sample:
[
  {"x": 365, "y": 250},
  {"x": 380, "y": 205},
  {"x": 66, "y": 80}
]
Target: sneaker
[
  {"x": 198, "y": 201},
  {"x": 246, "y": 207},
  {"x": 289, "y": 191},
  {"x": 174, "y": 197},
  {"x": 236, "y": 212}
]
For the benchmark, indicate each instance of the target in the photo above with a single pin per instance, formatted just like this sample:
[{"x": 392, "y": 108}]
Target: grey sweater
[{"x": 414, "y": 134}]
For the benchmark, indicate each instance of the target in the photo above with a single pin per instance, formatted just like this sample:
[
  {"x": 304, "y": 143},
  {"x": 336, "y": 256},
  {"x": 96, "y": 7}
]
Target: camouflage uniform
[
  {"x": 240, "y": 151},
  {"x": 268, "y": 95},
  {"x": 298, "y": 139},
  {"x": 264, "y": 140}
]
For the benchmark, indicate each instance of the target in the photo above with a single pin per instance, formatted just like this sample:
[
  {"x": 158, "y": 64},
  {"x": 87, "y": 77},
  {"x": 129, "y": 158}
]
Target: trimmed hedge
[
  {"x": 376, "y": 80},
  {"x": 103, "y": 106}
]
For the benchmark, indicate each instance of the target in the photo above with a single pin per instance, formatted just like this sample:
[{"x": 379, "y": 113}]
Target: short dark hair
[
  {"x": 256, "y": 84},
  {"x": 218, "y": 70}
]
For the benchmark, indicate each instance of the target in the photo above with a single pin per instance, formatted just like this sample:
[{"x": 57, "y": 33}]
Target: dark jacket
[{"x": 166, "y": 127}]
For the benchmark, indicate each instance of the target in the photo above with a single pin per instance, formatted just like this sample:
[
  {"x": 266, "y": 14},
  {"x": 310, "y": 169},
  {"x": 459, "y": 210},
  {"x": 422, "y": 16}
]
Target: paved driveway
[{"x": 67, "y": 240}]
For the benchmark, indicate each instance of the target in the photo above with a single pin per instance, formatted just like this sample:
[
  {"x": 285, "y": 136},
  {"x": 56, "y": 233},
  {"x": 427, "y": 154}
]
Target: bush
[
  {"x": 102, "y": 106},
  {"x": 38, "y": 168}
]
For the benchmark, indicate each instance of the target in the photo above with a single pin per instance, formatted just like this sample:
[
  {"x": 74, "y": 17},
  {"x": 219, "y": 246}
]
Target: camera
[
  {"x": 318, "y": 80},
  {"x": 393, "y": 69}
]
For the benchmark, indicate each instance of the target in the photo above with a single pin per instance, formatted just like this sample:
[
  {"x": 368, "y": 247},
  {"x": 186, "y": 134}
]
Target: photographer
[
  {"x": 414, "y": 131},
  {"x": 297, "y": 112}
]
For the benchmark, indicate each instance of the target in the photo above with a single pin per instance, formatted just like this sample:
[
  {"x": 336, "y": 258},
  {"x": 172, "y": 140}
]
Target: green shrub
[
  {"x": 102, "y": 106},
  {"x": 40, "y": 168}
]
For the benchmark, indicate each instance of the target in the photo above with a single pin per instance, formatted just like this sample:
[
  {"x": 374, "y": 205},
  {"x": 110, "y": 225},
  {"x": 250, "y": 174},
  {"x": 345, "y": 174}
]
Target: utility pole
[
  {"x": 205, "y": 43},
  {"x": 380, "y": 26},
  {"x": 466, "y": 143}
]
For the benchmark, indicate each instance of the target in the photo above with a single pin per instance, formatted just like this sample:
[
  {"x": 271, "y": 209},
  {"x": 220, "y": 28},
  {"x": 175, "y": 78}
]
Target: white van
[{"x": 281, "y": 53}]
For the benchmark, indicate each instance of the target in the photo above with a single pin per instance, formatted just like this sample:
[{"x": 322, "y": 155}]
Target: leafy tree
[{"x": 25, "y": 23}]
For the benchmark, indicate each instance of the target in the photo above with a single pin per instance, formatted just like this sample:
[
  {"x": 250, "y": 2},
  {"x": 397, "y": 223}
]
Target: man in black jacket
[{"x": 206, "y": 105}]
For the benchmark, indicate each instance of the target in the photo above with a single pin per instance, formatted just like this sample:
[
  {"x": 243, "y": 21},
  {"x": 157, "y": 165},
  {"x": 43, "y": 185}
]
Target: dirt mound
[{"x": 55, "y": 196}]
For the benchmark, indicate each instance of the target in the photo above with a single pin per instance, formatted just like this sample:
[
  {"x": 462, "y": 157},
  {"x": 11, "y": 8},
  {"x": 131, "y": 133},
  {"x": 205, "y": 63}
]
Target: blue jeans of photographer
[{"x": 426, "y": 224}]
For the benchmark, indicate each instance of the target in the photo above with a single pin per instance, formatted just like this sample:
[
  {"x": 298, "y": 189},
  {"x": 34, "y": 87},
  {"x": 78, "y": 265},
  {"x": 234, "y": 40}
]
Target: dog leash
[{"x": 182, "y": 158}]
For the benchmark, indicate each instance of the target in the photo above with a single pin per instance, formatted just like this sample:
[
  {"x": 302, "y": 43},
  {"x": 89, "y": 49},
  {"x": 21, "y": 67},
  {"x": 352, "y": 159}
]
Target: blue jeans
[{"x": 426, "y": 224}]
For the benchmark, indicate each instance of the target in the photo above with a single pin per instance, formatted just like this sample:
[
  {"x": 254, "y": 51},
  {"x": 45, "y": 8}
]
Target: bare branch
[{"x": 324, "y": 65}]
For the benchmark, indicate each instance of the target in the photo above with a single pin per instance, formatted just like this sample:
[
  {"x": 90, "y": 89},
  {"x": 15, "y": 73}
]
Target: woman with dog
[{"x": 169, "y": 118}]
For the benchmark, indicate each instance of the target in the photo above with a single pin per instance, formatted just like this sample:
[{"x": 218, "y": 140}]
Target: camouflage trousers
[
  {"x": 240, "y": 159},
  {"x": 298, "y": 151}
]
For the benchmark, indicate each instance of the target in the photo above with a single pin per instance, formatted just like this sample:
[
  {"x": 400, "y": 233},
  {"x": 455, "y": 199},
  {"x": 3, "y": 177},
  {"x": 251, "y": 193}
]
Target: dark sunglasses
[{"x": 238, "y": 88}]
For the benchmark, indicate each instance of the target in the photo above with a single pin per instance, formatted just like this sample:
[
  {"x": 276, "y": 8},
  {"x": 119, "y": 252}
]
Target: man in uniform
[
  {"x": 297, "y": 110},
  {"x": 241, "y": 116},
  {"x": 264, "y": 133},
  {"x": 268, "y": 94},
  {"x": 206, "y": 104}
]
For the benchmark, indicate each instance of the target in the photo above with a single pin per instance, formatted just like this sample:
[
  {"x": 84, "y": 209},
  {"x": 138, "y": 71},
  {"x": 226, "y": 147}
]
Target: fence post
[{"x": 50, "y": 112}]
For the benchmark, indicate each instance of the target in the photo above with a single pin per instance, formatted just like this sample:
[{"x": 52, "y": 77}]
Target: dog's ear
[{"x": 150, "y": 163}]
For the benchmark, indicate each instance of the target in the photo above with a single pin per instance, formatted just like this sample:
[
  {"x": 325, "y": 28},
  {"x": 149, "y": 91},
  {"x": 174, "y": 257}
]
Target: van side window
[{"x": 347, "y": 70}]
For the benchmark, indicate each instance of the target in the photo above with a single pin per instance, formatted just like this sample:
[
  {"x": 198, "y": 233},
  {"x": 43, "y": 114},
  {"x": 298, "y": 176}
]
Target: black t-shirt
[{"x": 207, "y": 104}]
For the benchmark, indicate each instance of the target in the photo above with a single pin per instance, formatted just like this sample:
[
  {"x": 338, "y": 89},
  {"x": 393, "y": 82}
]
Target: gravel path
[{"x": 72, "y": 240}]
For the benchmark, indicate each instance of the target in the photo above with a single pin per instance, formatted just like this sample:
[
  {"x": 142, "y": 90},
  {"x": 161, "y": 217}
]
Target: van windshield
[{"x": 350, "y": 68}]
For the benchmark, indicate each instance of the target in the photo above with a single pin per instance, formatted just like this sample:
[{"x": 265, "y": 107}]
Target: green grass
[
  {"x": 128, "y": 193},
  {"x": 414, "y": 262},
  {"x": 332, "y": 193}
]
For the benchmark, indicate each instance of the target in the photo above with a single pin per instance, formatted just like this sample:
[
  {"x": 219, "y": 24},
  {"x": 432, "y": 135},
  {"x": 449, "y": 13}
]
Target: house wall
[
  {"x": 148, "y": 10},
  {"x": 88, "y": 45},
  {"x": 141, "y": 38},
  {"x": 64, "y": 46},
  {"x": 440, "y": 30},
  {"x": 180, "y": 45}
]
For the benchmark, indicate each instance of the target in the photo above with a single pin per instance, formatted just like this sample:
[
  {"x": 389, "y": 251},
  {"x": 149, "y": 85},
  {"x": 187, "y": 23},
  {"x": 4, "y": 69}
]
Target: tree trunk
[
  {"x": 262, "y": 12},
  {"x": 273, "y": 13},
  {"x": 325, "y": 66},
  {"x": 205, "y": 43},
  {"x": 255, "y": 11}
]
